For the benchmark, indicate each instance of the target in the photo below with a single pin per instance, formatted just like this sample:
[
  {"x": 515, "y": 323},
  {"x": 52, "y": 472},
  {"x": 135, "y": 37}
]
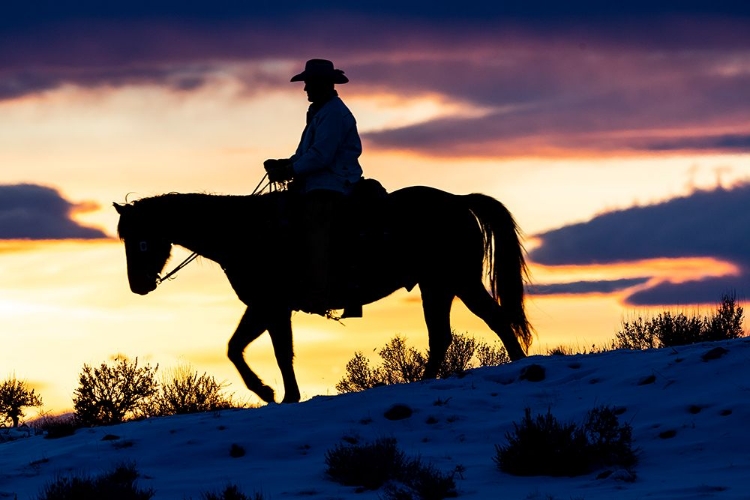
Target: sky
[
  {"x": 688, "y": 413},
  {"x": 617, "y": 135}
]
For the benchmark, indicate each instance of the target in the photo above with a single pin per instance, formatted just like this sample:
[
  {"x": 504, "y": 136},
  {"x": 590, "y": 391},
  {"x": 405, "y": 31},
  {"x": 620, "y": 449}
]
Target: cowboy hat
[{"x": 320, "y": 69}]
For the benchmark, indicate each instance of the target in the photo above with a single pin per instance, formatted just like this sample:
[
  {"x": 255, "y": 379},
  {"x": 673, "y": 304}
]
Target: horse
[{"x": 465, "y": 246}]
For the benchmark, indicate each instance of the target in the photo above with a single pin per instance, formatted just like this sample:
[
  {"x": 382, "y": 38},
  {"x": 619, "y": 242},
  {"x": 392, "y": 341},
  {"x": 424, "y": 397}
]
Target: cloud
[
  {"x": 553, "y": 77},
  {"x": 30, "y": 211},
  {"x": 577, "y": 287},
  {"x": 728, "y": 142},
  {"x": 710, "y": 223}
]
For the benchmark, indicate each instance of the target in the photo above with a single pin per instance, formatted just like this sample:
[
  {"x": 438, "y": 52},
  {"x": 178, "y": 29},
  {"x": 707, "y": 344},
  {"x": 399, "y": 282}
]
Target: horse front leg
[
  {"x": 250, "y": 328},
  {"x": 280, "y": 330}
]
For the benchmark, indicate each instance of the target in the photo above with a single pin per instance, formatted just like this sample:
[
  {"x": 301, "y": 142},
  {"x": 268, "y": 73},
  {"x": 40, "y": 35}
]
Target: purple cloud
[
  {"x": 704, "y": 224},
  {"x": 554, "y": 77},
  {"x": 30, "y": 211}
]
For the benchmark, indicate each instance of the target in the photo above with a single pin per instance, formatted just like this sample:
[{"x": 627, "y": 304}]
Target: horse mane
[{"x": 157, "y": 212}]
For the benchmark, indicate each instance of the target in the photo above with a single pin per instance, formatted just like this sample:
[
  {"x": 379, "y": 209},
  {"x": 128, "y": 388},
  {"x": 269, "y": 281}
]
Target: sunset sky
[{"x": 617, "y": 135}]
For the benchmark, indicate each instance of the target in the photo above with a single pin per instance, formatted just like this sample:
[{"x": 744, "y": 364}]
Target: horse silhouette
[{"x": 450, "y": 245}]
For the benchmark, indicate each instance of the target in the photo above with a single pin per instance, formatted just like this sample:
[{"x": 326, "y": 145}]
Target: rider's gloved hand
[
  {"x": 272, "y": 163},
  {"x": 279, "y": 170}
]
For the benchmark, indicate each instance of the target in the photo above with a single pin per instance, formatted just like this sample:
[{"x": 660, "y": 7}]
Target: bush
[
  {"x": 231, "y": 492},
  {"x": 359, "y": 375},
  {"x": 119, "y": 484},
  {"x": 489, "y": 355},
  {"x": 111, "y": 394},
  {"x": 669, "y": 329},
  {"x": 459, "y": 356},
  {"x": 380, "y": 463},
  {"x": 402, "y": 364},
  {"x": 368, "y": 465},
  {"x": 58, "y": 426},
  {"x": 184, "y": 391},
  {"x": 542, "y": 446},
  {"x": 15, "y": 395}
]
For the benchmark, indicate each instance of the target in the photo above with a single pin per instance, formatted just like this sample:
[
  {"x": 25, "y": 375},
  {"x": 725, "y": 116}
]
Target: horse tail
[{"x": 504, "y": 257}]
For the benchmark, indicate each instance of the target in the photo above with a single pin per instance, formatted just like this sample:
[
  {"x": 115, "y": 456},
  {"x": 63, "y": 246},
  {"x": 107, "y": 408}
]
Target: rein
[{"x": 270, "y": 186}]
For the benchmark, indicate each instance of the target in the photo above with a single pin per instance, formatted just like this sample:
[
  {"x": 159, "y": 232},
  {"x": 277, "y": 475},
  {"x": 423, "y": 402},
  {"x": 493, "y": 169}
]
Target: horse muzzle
[{"x": 142, "y": 285}]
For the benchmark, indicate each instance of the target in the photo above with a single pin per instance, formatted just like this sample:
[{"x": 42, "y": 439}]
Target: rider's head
[{"x": 320, "y": 77}]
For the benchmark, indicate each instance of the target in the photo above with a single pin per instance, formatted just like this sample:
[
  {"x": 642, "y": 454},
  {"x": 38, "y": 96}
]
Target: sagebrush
[
  {"x": 118, "y": 484},
  {"x": 543, "y": 446},
  {"x": 381, "y": 463},
  {"x": 111, "y": 394},
  {"x": 669, "y": 329},
  {"x": 400, "y": 363},
  {"x": 183, "y": 390}
]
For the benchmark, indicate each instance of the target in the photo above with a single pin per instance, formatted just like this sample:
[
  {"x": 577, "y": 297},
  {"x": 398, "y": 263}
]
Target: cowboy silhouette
[{"x": 325, "y": 168}]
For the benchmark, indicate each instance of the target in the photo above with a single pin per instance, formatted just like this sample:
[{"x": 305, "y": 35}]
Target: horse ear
[{"x": 120, "y": 208}]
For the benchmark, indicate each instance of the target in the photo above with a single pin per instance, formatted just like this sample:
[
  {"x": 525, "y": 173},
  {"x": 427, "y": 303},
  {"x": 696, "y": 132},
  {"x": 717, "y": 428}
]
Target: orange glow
[
  {"x": 65, "y": 303},
  {"x": 674, "y": 270}
]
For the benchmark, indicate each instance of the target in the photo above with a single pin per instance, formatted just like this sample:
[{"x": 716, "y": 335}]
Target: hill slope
[{"x": 689, "y": 417}]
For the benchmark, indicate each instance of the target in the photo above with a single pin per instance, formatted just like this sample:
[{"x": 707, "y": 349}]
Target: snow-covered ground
[{"x": 689, "y": 416}]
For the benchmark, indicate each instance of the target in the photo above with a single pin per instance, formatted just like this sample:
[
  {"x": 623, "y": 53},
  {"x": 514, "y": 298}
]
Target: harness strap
[{"x": 188, "y": 260}]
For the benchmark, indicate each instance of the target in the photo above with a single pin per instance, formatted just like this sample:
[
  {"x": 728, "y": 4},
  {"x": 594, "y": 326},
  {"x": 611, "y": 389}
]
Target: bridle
[{"x": 269, "y": 186}]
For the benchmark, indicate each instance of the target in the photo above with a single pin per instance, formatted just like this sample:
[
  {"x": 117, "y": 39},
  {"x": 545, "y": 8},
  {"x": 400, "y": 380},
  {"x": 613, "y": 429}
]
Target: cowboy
[{"x": 325, "y": 168}]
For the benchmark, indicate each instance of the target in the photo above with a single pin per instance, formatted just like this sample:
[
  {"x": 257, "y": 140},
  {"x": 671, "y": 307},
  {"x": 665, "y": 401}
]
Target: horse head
[{"x": 146, "y": 250}]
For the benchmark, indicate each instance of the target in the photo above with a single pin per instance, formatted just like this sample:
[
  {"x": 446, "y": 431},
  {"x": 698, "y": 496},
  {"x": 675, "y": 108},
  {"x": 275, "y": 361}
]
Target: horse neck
[{"x": 208, "y": 224}]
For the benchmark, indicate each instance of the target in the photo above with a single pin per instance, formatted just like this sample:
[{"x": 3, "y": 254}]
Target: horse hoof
[
  {"x": 266, "y": 394},
  {"x": 291, "y": 399}
]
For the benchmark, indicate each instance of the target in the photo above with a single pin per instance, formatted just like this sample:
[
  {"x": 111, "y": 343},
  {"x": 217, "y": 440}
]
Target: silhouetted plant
[
  {"x": 110, "y": 394},
  {"x": 119, "y": 484},
  {"x": 571, "y": 350},
  {"x": 231, "y": 492},
  {"x": 542, "y": 446},
  {"x": 359, "y": 375},
  {"x": 491, "y": 355},
  {"x": 419, "y": 481},
  {"x": 57, "y": 426},
  {"x": 183, "y": 391},
  {"x": 636, "y": 334},
  {"x": 726, "y": 323},
  {"x": 669, "y": 329},
  {"x": 459, "y": 356},
  {"x": 15, "y": 395},
  {"x": 368, "y": 465},
  {"x": 402, "y": 364},
  {"x": 373, "y": 465}
]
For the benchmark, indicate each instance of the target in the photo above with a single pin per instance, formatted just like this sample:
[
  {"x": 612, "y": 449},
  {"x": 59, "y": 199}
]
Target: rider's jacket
[{"x": 328, "y": 153}]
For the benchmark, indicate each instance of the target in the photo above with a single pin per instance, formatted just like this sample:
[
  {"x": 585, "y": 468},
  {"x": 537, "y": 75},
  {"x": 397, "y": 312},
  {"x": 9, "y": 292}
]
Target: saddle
[{"x": 359, "y": 230}]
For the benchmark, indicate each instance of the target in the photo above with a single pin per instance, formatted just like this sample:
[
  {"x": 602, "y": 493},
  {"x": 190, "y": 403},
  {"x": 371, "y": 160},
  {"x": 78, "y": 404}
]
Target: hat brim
[{"x": 337, "y": 77}]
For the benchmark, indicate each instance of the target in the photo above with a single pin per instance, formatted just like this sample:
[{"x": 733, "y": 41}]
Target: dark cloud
[
  {"x": 693, "y": 292},
  {"x": 729, "y": 142},
  {"x": 578, "y": 287},
  {"x": 30, "y": 211},
  {"x": 552, "y": 76},
  {"x": 45, "y": 10},
  {"x": 564, "y": 99},
  {"x": 705, "y": 224}
]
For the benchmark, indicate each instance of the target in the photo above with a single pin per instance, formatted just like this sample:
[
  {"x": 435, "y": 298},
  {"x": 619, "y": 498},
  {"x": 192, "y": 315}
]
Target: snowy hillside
[{"x": 689, "y": 413}]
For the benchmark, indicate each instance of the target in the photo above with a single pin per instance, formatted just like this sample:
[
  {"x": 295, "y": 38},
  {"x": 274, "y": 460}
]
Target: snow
[{"x": 704, "y": 402}]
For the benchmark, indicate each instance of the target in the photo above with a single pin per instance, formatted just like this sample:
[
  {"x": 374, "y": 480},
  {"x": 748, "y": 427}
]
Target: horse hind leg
[
  {"x": 436, "y": 304},
  {"x": 481, "y": 303},
  {"x": 249, "y": 329},
  {"x": 281, "y": 337}
]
